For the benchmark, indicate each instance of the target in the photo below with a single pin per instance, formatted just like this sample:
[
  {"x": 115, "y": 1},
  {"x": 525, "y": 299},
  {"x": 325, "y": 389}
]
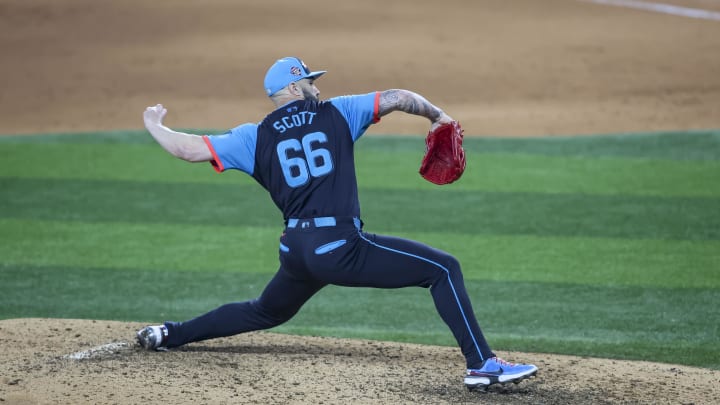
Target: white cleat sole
[{"x": 483, "y": 383}]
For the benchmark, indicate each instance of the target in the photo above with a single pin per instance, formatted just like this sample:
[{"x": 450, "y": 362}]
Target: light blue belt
[{"x": 319, "y": 222}]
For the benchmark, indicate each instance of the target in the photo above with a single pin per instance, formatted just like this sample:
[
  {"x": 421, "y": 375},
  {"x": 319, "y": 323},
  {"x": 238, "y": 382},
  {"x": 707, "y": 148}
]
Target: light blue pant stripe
[{"x": 452, "y": 287}]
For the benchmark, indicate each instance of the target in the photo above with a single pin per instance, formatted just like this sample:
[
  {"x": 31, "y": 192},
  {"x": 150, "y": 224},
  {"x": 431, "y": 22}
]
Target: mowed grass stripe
[
  {"x": 591, "y": 176},
  {"x": 437, "y": 210},
  {"x": 509, "y": 172},
  {"x": 591, "y": 261},
  {"x": 679, "y": 145},
  {"x": 208, "y": 248},
  {"x": 515, "y": 213},
  {"x": 673, "y": 325},
  {"x": 181, "y": 247},
  {"x": 92, "y": 161},
  {"x": 119, "y": 294},
  {"x": 673, "y": 145}
]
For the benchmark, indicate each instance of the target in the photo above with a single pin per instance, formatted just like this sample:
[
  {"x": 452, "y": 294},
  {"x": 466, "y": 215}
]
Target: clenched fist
[{"x": 154, "y": 115}]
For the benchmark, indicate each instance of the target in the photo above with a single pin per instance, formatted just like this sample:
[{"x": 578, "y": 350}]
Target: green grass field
[{"x": 604, "y": 246}]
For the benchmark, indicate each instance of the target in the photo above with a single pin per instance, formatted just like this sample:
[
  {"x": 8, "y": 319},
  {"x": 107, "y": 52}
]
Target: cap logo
[{"x": 295, "y": 71}]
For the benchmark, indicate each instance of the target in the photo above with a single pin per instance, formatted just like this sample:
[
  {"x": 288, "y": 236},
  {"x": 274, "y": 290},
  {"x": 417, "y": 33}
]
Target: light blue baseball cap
[{"x": 285, "y": 71}]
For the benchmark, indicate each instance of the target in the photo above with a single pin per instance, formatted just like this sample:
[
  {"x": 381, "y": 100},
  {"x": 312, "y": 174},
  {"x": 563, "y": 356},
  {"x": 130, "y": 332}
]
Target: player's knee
[
  {"x": 448, "y": 262},
  {"x": 451, "y": 265}
]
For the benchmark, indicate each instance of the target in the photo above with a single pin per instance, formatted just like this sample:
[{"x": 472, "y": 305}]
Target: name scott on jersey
[{"x": 294, "y": 120}]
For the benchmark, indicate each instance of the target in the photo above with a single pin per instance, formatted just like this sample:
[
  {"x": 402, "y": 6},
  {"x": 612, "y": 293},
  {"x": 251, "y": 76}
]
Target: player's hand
[{"x": 154, "y": 115}]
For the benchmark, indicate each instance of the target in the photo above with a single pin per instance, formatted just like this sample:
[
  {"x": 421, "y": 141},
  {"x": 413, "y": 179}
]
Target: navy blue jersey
[{"x": 302, "y": 153}]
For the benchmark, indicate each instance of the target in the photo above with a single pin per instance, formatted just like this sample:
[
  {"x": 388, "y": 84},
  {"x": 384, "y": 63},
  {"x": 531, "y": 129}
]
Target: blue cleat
[{"x": 497, "y": 371}]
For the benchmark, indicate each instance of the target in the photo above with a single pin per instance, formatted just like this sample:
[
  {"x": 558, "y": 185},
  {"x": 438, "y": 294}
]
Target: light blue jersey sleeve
[
  {"x": 234, "y": 149},
  {"x": 359, "y": 111}
]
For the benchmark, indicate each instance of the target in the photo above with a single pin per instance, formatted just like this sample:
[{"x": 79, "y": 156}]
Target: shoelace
[{"x": 503, "y": 362}]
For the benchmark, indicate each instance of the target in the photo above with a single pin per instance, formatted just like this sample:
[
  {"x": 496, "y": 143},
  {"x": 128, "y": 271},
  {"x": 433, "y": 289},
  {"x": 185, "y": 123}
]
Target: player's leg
[
  {"x": 369, "y": 260},
  {"x": 408, "y": 263},
  {"x": 281, "y": 299},
  {"x": 391, "y": 262}
]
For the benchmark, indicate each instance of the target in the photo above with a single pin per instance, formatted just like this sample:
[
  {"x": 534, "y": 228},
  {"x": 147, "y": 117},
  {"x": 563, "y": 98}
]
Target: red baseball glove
[{"x": 444, "y": 160}]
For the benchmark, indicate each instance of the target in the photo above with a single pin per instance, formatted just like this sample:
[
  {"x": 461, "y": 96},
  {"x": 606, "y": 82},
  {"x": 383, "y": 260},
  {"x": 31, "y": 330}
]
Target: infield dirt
[{"x": 520, "y": 68}]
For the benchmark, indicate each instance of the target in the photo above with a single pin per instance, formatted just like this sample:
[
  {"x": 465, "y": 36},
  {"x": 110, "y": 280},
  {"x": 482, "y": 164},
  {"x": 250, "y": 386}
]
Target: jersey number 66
[{"x": 317, "y": 162}]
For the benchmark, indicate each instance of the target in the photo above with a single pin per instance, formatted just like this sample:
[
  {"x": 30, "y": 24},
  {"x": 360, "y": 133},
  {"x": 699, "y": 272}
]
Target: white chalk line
[
  {"x": 662, "y": 8},
  {"x": 109, "y": 348}
]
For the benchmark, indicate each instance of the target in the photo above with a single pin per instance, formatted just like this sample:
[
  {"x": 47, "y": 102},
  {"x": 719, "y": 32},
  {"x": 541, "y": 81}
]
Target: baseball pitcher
[{"x": 302, "y": 154}]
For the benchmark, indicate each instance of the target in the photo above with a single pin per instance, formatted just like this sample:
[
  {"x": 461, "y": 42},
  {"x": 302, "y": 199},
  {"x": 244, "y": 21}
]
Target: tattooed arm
[{"x": 411, "y": 103}]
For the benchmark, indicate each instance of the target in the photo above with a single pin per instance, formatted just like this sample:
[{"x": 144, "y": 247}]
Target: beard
[{"x": 309, "y": 96}]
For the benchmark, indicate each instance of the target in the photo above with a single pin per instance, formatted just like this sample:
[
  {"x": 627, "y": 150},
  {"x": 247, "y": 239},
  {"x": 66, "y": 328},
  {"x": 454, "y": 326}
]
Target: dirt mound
[{"x": 83, "y": 361}]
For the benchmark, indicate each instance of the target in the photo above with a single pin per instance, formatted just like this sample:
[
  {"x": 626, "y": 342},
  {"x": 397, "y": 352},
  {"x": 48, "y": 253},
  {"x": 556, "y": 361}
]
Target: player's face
[{"x": 309, "y": 90}]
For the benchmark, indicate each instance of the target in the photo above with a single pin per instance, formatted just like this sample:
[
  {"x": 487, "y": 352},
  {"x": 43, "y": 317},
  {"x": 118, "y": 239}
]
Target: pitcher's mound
[{"x": 82, "y": 361}]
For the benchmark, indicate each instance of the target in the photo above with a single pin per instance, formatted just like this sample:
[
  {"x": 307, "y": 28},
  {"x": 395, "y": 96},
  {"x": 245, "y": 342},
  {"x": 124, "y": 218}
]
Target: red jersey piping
[{"x": 215, "y": 162}]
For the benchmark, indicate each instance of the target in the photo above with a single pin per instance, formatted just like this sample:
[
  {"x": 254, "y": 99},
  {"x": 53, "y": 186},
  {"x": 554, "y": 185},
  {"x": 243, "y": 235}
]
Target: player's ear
[{"x": 294, "y": 89}]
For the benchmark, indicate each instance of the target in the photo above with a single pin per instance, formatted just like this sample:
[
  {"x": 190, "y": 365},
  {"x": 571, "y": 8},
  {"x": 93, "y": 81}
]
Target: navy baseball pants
[{"x": 321, "y": 251}]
